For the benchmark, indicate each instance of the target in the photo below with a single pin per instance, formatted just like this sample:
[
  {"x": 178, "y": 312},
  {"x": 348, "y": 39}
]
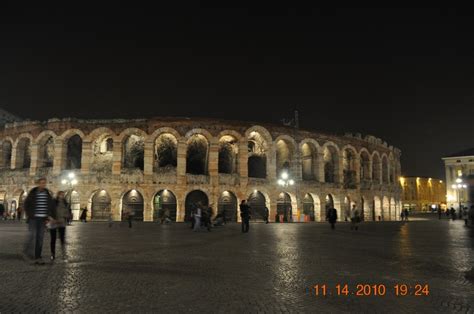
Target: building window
[{"x": 459, "y": 173}]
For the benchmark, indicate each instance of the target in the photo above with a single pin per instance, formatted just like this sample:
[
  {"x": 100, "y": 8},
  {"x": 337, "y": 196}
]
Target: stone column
[
  {"x": 271, "y": 164},
  {"x": 297, "y": 166},
  {"x": 59, "y": 152},
  {"x": 34, "y": 159},
  {"x": 319, "y": 166},
  {"x": 370, "y": 176},
  {"x": 339, "y": 169},
  {"x": 213, "y": 163},
  {"x": 181, "y": 163},
  {"x": 272, "y": 209},
  {"x": 117, "y": 158},
  {"x": 148, "y": 159},
  {"x": 2, "y": 161},
  {"x": 147, "y": 207},
  {"x": 14, "y": 157},
  {"x": 357, "y": 170},
  {"x": 86, "y": 157},
  {"x": 243, "y": 163}
]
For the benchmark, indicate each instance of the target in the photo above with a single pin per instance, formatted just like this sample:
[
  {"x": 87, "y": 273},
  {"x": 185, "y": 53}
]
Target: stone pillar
[
  {"x": 320, "y": 167},
  {"x": 243, "y": 163},
  {"x": 86, "y": 157},
  {"x": 2, "y": 161},
  {"x": 117, "y": 158},
  {"x": 370, "y": 176},
  {"x": 339, "y": 169},
  {"x": 213, "y": 163},
  {"x": 272, "y": 209},
  {"x": 147, "y": 207},
  {"x": 59, "y": 152},
  {"x": 181, "y": 163},
  {"x": 357, "y": 170},
  {"x": 14, "y": 157},
  {"x": 271, "y": 164},
  {"x": 34, "y": 159},
  {"x": 148, "y": 159},
  {"x": 297, "y": 166}
]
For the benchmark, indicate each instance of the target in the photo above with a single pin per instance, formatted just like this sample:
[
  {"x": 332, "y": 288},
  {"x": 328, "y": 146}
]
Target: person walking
[
  {"x": 331, "y": 216},
  {"x": 84, "y": 215},
  {"x": 465, "y": 216},
  {"x": 453, "y": 213},
  {"x": 197, "y": 218},
  {"x": 130, "y": 215},
  {"x": 19, "y": 212},
  {"x": 266, "y": 214},
  {"x": 406, "y": 213},
  {"x": 207, "y": 218},
  {"x": 355, "y": 218},
  {"x": 58, "y": 218},
  {"x": 439, "y": 213},
  {"x": 245, "y": 215},
  {"x": 38, "y": 204}
]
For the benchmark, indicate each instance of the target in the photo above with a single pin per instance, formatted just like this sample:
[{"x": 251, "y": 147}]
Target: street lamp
[
  {"x": 286, "y": 181},
  {"x": 458, "y": 187}
]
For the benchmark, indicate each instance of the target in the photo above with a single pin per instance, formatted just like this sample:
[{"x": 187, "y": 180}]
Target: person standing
[
  {"x": 19, "y": 212},
  {"x": 407, "y": 212},
  {"x": 38, "y": 204},
  {"x": 245, "y": 215},
  {"x": 439, "y": 213},
  {"x": 84, "y": 215},
  {"x": 355, "y": 218},
  {"x": 453, "y": 213},
  {"x": 266, "y": 214},
  {"x": 331, "y": 216},
  {"x": 58, "y": 218},
  {"x": 130, "y": 215},
  {"x": 197, "y": 218}
]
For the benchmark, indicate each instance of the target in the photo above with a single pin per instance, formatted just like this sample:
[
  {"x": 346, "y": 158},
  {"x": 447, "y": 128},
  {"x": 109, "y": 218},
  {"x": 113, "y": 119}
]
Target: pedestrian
[
  {"x": 245, "y": 216},
  {"x": 439, "y": 213},
  {"x": 224, "y": 216},
  {"x": 197, "y": 218},
  {"x": 38, "y": 204},
  {"x": 453, "y": 213},
  {"x": 192, "y": 214},
  {"x": 402, "y": 215},
  {"x": 130, "y": 215},
  {"x": 406, "y": 214},
  {"x": 355, "y": 218},
  {"x": 331, "y": 217},
  {"x": 84, "y": 215},
  {"x": 58, "y": 218},
  {"x": 111, "y": 220},
  {"x": 19, "y": 213},
  {"x": 448, "y": 211},
  {"x": 266, "y": 214},
  {"x": 471, "y": 215},
  {"x": 207, "y": 218},
  {"x": 2, "y": 211},
  {"x": 465, "y": 216}
]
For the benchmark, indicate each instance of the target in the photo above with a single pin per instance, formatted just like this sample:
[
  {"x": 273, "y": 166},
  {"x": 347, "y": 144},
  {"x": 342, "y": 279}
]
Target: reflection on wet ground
[{"x": 168, "y": 268}]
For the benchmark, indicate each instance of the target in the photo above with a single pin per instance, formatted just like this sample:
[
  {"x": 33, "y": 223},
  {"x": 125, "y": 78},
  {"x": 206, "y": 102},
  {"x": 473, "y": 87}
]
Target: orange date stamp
[{"x": 369, "y": 290}]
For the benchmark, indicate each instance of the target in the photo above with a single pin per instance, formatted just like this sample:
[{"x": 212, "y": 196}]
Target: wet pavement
[{"x": 154, "y": 268}]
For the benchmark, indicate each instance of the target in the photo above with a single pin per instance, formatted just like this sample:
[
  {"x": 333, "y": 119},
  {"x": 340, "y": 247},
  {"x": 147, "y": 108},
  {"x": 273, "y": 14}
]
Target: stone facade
[
  {"x": 420, "y": 194},
  {"x": 460, "y": 166},
  {"x": 146, "y": 166}
]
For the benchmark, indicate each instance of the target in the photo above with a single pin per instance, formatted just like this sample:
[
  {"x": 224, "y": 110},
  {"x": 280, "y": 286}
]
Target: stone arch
[
  {"x": 385, "y": 169},
  {"x": 197, "y": 154},
  {"x": 377, "y": 209},
  {"x": 165, "y": 205},
  {"x": 102, "y": 141},
  {"x": 284, "y": 206},
  {"x": 365, "y": 165},
  {"x": 312, "y": 207},
  {"x": 347, "y": 210},
  {"x": 330, "y": 201},
  {"x": 285, "y": 149},
  {"x": 363, "y": 208},
  {"x": 258, "y": 140},
  {"x": 74, "y": 200},
  {"x": 258, "y": 202},
  {"x": 309, "y": 159},
  {"x": 194, "y": 199},
  {"x": 232, "y": 133},
  {"x": 133, "y": 148},
  {"x": 165, "y": 152},
  {"x": 228, "y": 154},
  {"x": 133, "y": 204},
  {"x": 22, "y": 148},
  {"x": 376, "y": 167},
  {"x": 46, "y": 149},
  {"x": 385, "y": 208},
  {"x": 7, "y": 153},
  {"x": 349, "y": 167},
  {"x": 101, "y": 205},
  {"x": 73, "y": 152},
  {"x": 227, "y": 205},
  {"x": 392, "y": 169},
  {"x": 331, "y": 162}
]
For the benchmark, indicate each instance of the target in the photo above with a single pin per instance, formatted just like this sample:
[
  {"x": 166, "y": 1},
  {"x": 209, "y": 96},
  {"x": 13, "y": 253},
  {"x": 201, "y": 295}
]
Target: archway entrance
[
  {"x": 194, "y": 199},
  {"x": 132, "y": 203},
  {"x": 227, "y": 205},
  {"x": 257, "y": 205},
  {"x": 75, "y": 204},
  {"x": 164, "y": 203},
  {"x": 362, "y": 208},
  {"x": 101, "y": 205},
  {"x": 308, "y": 206},
  {"x": 284, "y": 208},
  {"x": 377, "y": 209},
  {"x": 329, "y": 203}
]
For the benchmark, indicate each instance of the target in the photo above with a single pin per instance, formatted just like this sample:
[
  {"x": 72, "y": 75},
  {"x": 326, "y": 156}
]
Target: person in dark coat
[
  {"x": 38, "y": 204},
  {"x": 331, "y": 217},
  {"x": 84, "y": 215},
  {"x": 245, "y": 215},
  {"x": 58, "y": 219},
  {"x": 266, "y": 214}
]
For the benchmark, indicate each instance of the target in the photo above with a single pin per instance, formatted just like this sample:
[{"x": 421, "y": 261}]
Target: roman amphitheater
[{"x": 147, "y": 166}]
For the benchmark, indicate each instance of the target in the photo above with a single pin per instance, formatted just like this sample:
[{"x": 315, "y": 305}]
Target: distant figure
[
  {"x": 465, "y": 216},
  {"x": 197, "y": 218},
  {"x": 58, "y": 221},
  {"x": 2, "y": 211},
  {"x": 471, "y": 214},
  {"x": 448, "y": 211},
  {"x": 355, "y": 218},
  {"x": 111, "y": 220},
  {"x": 38, "y": 204},
  {"x": 439, "y": 213},
  {"x": 453, "y": 213},
  {"x": 19, "y": 212},
  {"x": 402, "y": 215},
  {"x": 83, "y": 217},
  {"x": 407, "y": 212},
  {"x": 224, "y": 215},
  {"x": 245, "y": 215},
  {"x": 130, "y": 215},
  {"x": 266, "y": 214},
  {"x": 331, "y": 217}
]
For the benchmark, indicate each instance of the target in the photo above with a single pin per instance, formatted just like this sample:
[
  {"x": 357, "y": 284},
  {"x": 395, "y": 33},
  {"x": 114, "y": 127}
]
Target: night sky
[{"x": 405, "y": 75}]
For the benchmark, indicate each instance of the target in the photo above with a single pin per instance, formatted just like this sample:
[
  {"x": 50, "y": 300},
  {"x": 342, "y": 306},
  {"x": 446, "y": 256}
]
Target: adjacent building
[
  {"x": 460, "y": 178},
  {"x": 423, "y": 194}
]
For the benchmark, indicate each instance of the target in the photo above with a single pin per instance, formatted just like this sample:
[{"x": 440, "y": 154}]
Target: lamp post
[
  {"x": 458, "y": 187},
  {"x": 70, "y": 182},
  {"x": 286, "y": 181}
]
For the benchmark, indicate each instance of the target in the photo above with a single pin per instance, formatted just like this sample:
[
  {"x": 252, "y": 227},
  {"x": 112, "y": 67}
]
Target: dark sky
[{"x": 405, "y": 75}]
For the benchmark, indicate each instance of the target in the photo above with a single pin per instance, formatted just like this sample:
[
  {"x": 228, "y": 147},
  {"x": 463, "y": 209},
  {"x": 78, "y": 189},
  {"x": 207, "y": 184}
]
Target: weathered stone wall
[{"x": 102, "y": 165}]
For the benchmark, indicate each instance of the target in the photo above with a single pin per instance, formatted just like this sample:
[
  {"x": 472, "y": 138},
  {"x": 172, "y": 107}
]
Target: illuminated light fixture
[
  {"x": 71, "y": 175},
  {"x": 255, "y": 191},
  {"x": 284, "y": 175},
  {"x": 165, "y": 190},
  {"x": 440, "y": 181},
  {"x": 64, "y": 181},
  {"x": 281, "y": 182},
  {"x": 291, "y": 181},
  {"x": 458, "y": 180},
  {"x": 74, "y": 182}
]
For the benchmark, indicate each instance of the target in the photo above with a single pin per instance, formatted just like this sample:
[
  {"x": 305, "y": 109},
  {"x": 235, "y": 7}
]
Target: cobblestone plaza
[{"x": 168, "y": 268}]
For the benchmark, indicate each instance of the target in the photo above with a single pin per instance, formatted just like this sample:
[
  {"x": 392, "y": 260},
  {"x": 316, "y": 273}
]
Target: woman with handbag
[{"x": 58, "y": 218}]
